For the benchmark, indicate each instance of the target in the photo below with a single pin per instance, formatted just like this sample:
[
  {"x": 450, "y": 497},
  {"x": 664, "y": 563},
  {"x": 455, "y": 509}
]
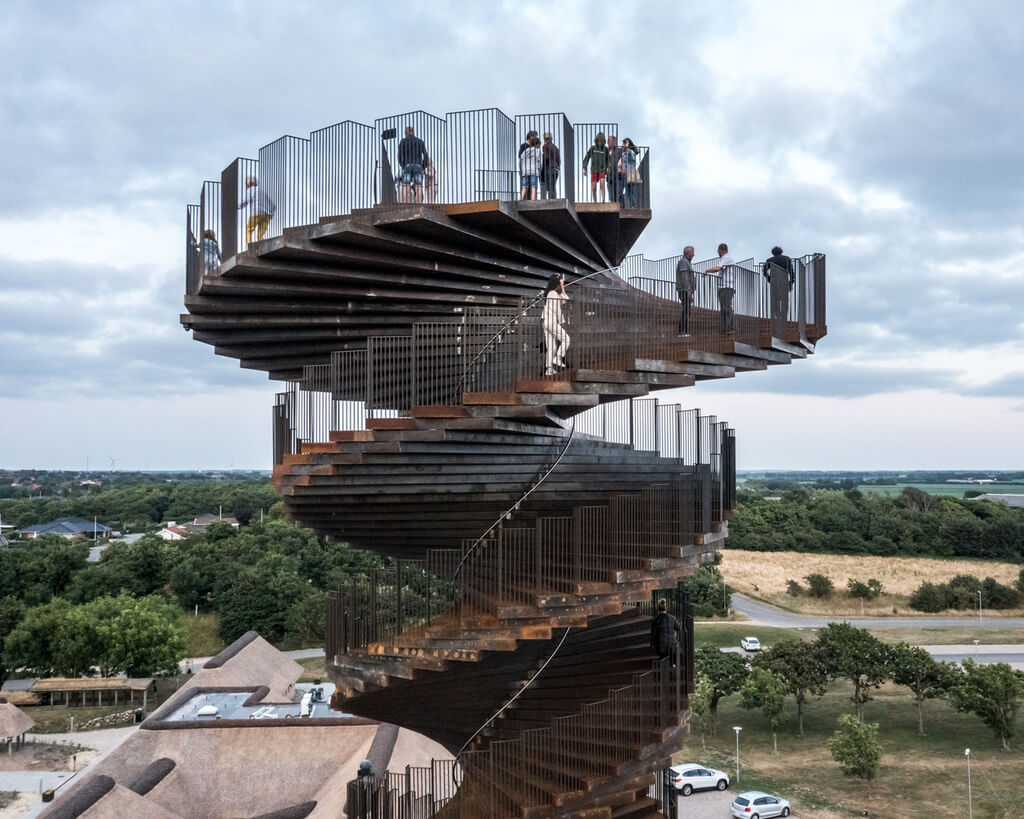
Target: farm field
[
  {"x": 955, "y": 490},
  {"x": 764, "y": 574},
  {"x": 920, "y": 776}
]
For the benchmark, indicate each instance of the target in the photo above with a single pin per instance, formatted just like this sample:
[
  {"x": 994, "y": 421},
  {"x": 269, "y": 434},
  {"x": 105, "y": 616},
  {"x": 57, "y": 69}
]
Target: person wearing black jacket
[
  {"x": 665, "y": 634},
  {"x": 779, "y": 290}
]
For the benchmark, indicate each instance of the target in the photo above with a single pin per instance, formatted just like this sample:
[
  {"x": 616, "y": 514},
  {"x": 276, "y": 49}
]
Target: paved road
[{"x": 766, "y": 615}]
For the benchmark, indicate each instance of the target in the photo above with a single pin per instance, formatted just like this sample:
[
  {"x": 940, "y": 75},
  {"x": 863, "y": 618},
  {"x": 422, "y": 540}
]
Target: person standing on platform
[
  {"x": 686, "y": 285},
  {"x": 665, "y": 634},
  {"x": 211, "y": 253},
  {"x": 628, "y": 175},
  {"x": 556, "y": 340},
  {"x": 779, "y": 294},
  {"x": 412, "y": 158},
  {"x": 597, "y": 159},
  {"x": 261, "y": 207},
  {"x": 550, "y": 167},
  {"x": 430, "y": 182},
  {"x": 726, "y": 288},
  {"x": 614, "y": 176},
  {"x": 530, "y": 161}
]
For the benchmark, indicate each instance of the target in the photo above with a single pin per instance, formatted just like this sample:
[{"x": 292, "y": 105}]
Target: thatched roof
[
  {"x": 79, "y": 684},
  {"x": 122, "y": 801},
  {"x": 13, "y": 721}
]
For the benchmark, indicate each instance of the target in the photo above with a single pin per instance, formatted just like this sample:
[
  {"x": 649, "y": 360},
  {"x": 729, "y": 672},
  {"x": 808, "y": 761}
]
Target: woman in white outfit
[{"x": 556, "y": 340}]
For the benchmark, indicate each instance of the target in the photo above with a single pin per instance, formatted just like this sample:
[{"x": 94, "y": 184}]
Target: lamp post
[
  {"x": 737, "y": 729},
  {"x": 979, "y": 608},
  {"x": 976, "y": 646},
  {"x": 970, "y": 802}
]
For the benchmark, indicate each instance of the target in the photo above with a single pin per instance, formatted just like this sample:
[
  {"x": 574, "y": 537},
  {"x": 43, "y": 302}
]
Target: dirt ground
[{"x": 45, "y": 756}]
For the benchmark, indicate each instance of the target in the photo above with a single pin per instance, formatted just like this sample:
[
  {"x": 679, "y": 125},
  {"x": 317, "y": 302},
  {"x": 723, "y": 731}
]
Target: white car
[
  {"x": 750, "y": 644},
  {"x": 759, "y": 805},
  {"x": 690, "y": 777}
]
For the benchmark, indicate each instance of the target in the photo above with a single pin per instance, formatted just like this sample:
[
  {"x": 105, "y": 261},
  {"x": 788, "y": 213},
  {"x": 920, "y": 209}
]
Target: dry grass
[{"x": 764, "y": 575}]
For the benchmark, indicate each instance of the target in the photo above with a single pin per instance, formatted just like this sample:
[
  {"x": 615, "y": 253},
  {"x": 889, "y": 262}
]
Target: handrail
[
  {"x": 511, "y": 321},
  {"x": 514, "y": 506},
  {"x": 515, "y": 696}
]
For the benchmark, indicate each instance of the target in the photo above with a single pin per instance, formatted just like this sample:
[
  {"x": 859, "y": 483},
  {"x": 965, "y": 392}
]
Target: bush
[
  {"x": 865, "y": 591},
  {"x": 930, "y": 598},
  {"x": 819, "y": 586},
  {"x": 1018, "y": 584},
  {"x": 794, "y": 589}
]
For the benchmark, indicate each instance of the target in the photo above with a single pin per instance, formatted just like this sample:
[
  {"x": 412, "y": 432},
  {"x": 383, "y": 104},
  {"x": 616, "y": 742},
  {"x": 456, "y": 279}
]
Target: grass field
[
  {"x": 764, "y": 575},
  {"x": 314, "y": 668},
  {"x": 202, "y": 637},
  {"x": 729, "y": 636},
  {"x": 955, "y": 490},
  {"x": 920, "y": 776}
]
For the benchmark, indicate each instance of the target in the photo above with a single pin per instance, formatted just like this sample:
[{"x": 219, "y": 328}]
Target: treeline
[
  {"x": 855, "y": 522},
  {"x": 802, "y": 670},
  {"x": 271, "y": 576},
  {"x": 142, "y": 506}
]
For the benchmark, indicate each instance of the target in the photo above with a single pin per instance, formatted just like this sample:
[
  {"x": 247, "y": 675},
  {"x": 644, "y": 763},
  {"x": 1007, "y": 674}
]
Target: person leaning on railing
[
  {"x": 726, "y": 287},
  {"x": 629, "y": 174},
  {"x": 686, "y": 284},
  {"x": 779, "y": 294},
  {"x": 412, "y": 158},
  {"x": 262, "y": 210},
  {"x": 556, "y": 340}
]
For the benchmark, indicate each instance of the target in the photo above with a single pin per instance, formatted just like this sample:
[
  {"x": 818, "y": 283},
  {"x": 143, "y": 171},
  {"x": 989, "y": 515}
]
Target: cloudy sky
[{"x": 885, "y": 134}]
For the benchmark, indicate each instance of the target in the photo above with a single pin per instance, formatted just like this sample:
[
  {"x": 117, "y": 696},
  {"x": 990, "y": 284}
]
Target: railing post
[
  {"x": 229, "y": 211},
  {"x": 398, "y": 597}
]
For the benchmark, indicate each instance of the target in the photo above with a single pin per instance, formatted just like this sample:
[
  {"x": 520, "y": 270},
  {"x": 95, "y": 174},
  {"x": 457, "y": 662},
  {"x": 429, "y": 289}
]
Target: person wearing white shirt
[
  {"x": 726, "y": 287},
  {"x": 556, "y": 340}
]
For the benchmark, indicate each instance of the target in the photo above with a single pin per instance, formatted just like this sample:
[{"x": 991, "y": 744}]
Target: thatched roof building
[{"x": 13, "y": 721}]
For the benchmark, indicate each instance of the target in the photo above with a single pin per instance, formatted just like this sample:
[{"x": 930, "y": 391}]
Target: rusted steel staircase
[{"x": 525, "y": 522}]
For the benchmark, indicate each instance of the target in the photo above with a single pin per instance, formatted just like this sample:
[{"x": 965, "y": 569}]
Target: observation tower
[{"x": 529, "y": 502}]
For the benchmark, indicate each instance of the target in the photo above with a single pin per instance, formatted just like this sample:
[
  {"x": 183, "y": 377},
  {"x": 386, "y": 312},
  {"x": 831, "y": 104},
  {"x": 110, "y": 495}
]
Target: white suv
[
  {"x": 690, "y": 777},
  {"x": 750, "y": 644}
]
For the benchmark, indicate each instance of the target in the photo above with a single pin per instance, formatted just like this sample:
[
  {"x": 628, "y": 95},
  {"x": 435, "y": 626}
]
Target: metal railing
[
  {"x": 538, "y": 768},
  {"x": 529, "y": 555},
  {"x": 465, "y": 156},
  {"x": 611, "y": 326}
]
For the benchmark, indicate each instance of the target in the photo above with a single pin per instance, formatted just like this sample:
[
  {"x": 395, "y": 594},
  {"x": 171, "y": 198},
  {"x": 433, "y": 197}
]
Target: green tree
[
  {"x": 766, "y": 690},
  {"x": 261, "y": 598},
  {"x": 707, "y": 592},
  {"x": 40, "y": 644},
  {"x": 701, "y": 715},
  {"x": 993, "y": 693},
  {"x": 856, "y": 655},
  {"x": 307, "y": 618},
  {"x": 918, "y": 670},
  {"x": 856, "y": 748},
  {"x": 798, "y": 664},
  {"x": 725, "y": 671},
  {"x": 136, "y": 636},
  {"x": 818, "y": 585}
]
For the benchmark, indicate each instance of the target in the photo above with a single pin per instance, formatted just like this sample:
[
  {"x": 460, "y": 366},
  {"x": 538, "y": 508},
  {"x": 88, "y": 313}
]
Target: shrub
[
  {"x": 1018, "y": 584},
  {"x": 794, "y": 589},
  {"x": 865, "y": 591},
  {"x": 997, "y": 596},
  {"x": 819, "y": 586},
  {"x": 930, "y": 598}
]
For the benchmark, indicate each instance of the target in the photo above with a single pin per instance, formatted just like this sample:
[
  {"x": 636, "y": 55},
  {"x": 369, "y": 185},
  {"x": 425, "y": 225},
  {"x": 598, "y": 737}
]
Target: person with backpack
[
  {"x": 597, "y": 158},
  {"x": 665, "y": 634}
]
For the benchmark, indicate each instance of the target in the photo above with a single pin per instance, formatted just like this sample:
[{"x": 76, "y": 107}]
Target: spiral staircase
[{"x": 526, "y": 523}]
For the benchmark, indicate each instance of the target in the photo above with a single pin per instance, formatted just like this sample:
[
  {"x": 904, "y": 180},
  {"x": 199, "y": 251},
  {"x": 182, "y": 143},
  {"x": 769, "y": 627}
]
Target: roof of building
[
  {"x": 54, "y": 684},
  {"x": 17, "y": 685},
  {"x": 65, "y": 526},
  {"x": 13, "y": 721},
  {"x": 1009, "y": 500},
  {"x": 171, "y": 769}
]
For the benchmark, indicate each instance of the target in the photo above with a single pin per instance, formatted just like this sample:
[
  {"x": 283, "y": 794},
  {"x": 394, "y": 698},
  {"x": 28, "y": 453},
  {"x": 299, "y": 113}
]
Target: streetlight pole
[
  {"x": 979, "y": 608},
  {"x": 737, "y": 729},
  {"x": 970, "y": 801}
]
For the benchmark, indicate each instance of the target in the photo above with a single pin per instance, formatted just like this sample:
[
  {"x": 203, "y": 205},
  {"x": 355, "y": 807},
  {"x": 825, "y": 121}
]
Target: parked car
[
  {"x": 690, "y": 777},
  {"x": 758, "y": 805},
  {"x": 750, "y": 644}
]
